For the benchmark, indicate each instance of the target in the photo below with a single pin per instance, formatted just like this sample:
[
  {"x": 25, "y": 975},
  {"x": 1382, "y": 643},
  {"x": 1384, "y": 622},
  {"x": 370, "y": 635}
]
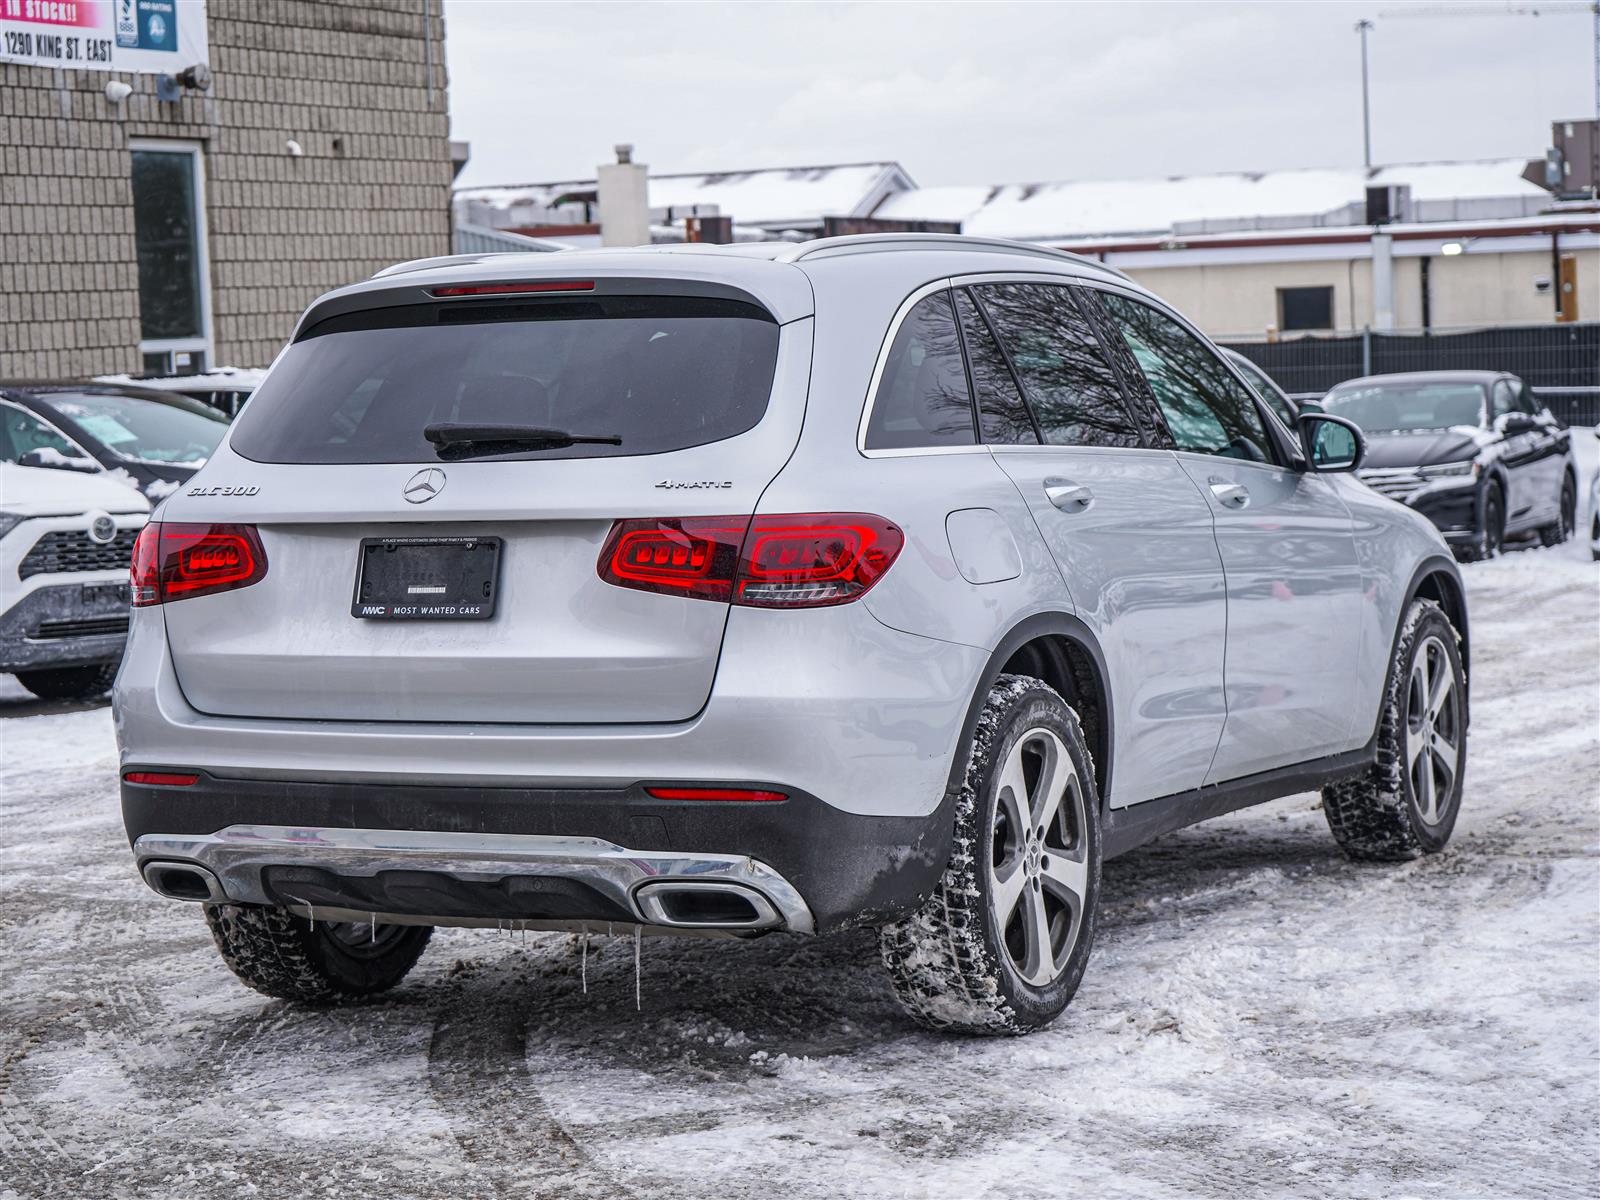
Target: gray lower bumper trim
[{"x": 236, "y": 856}]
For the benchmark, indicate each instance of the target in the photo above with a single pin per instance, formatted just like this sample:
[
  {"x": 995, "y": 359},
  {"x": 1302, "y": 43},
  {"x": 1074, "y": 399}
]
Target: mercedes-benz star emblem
[
  {"x": 424, "y": 485},
  {"x": 102, "y": 528}
]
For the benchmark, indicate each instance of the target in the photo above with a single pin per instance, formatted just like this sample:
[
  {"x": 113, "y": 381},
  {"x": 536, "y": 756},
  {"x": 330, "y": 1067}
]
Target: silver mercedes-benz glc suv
[{"x": 893, "y": 581}]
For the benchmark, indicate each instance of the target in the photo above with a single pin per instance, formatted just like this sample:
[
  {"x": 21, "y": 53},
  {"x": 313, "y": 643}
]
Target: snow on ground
[{"x": 1260, "y": 1018}]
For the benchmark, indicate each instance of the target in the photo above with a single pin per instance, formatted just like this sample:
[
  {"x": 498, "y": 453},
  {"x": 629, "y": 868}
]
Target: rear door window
[
  {"x": 1206, "y": 408},
  {"x": 1003, "y": 418},
  {"x": 922, "y": 398},
  {"x": 1069, "y": 383},
  {"x": 662, "y": 373}
]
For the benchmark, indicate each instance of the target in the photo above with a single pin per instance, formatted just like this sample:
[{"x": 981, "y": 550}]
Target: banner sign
[{"x": 160, "y": 36}]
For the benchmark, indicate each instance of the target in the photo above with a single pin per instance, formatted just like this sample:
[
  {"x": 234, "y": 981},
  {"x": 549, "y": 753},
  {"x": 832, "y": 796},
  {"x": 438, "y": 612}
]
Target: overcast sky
[{"x": 997, "y": 93}]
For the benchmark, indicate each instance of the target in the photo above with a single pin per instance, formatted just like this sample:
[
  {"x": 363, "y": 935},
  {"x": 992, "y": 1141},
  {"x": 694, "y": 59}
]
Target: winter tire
[
  {"x": 70, "y": 683},
  {"x": 1406, "y": 803},
  {"x": 1000, "y": 946},
  {"x": 1567, "y": 521},
  {"x": 316, "y": 962}
]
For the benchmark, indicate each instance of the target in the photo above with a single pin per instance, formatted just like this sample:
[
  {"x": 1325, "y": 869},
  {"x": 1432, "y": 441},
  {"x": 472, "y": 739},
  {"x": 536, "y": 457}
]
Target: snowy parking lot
[{"x": 1260, "y": 1017}]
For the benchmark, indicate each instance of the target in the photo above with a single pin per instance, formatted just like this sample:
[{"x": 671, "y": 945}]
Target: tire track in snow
[{"x": 478, "y": 1074}]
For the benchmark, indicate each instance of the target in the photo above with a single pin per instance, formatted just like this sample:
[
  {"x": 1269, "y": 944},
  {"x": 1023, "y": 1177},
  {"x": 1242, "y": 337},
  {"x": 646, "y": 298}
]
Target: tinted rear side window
[
  {"x": 662, "y": 373},
  {"x": 1074, "y": 393},
  {"x": 1002, "y": 416},
  {"x": 922, "y": 398}
]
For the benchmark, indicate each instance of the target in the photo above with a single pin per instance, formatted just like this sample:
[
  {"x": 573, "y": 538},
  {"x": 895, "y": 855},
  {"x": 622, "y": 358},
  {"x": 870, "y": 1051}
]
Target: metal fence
[{"x": 1560, "y": 362}]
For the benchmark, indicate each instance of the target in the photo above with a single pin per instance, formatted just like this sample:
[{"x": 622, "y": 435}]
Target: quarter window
[
  {"x": 1069, "y": 384},
  {"x": 1002, "y": 416},
  {"x": 1207, "y": 409},
  {"x": 923, "y": 398}
]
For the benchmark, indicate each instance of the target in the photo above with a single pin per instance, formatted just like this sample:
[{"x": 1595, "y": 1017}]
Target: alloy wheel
[
  {"x": 1433, "y": 730},
  {"x": 1038, "y": 862}
]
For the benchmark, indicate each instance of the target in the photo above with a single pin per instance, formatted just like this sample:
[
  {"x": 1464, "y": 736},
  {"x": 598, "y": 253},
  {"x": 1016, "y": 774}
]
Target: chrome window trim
[{"x": 1056, "y": 278}]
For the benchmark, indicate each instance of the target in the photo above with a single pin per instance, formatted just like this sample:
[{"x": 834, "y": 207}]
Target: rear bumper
[
  {"x": 443, "y": 878},
  {"x": 551, "y": 857}
]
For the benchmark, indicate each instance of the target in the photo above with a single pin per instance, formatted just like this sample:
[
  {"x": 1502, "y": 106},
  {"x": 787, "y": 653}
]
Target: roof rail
[{"x": 867, "y": 243}]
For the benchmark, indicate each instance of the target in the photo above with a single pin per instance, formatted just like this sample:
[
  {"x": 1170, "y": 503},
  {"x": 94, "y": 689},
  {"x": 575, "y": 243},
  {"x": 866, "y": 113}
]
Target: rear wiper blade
[{"x": 453, "y": 442}]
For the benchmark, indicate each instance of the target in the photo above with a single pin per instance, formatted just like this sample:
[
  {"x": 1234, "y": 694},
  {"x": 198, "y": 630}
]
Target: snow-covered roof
[
  {"x": 776, "y": 197},
  {"x": 1308, "y": 197}
]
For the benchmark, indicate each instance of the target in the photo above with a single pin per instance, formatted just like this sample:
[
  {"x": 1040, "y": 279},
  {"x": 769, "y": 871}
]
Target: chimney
[{"x": 624, "y": 201}]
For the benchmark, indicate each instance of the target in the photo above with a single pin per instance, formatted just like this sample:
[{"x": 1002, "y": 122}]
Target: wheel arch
[
  {"x": 1064, "y": 652},
  {"x": 1438, "y": 579}
]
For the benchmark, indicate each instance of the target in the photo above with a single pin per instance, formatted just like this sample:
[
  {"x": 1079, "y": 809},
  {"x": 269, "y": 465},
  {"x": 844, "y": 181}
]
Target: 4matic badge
[{"x": 691, "y": 483}]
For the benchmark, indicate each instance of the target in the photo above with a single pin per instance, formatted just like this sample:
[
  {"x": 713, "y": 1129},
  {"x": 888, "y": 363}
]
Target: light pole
[{"x": 1366, "y": 105}]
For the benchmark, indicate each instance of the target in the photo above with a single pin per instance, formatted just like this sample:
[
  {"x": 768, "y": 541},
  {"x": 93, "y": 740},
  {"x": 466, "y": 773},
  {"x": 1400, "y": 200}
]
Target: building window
[
  {"x": 170, "y": 240},
  {"x": 1305, "y": 308}
]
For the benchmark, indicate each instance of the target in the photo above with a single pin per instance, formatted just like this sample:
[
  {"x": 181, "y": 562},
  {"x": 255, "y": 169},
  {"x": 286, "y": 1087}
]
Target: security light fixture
[{"x": 171, "y": 87}]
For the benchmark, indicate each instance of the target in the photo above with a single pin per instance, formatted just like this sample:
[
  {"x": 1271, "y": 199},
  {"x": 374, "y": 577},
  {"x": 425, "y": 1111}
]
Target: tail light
[
  {"x": 688, "y": 556},
  {"x": 799, "y": 560},
  {"x": 175, "y": 560},
  {"x": 162, "y": 778}
]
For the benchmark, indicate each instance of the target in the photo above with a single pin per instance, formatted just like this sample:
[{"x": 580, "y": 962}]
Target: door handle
[
  {"x": 1234, "y": 495},
  {"x": 1069, "y": 497}
]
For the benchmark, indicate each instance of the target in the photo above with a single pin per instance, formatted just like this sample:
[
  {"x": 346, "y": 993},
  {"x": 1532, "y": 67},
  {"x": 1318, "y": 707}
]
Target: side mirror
[
  {"x": 51, "y": 458},
  {"x": 1331, "y": 443},
  {"x": 1513, "y": 423}
]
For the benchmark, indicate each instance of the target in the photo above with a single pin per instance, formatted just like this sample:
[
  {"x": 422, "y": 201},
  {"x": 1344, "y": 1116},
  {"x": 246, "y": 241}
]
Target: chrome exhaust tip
[
  {"x": 682, "y": 904},
  {"x": 183, "y": 881}
]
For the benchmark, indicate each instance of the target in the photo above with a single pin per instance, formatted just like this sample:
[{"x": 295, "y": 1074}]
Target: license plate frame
[{"x": 467, "y": 589}]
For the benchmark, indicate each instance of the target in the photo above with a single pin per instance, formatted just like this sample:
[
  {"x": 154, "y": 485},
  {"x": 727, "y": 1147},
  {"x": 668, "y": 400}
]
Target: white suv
[
  {"x": 887, "y": 581},
  {"x": 66, "y": 540}
]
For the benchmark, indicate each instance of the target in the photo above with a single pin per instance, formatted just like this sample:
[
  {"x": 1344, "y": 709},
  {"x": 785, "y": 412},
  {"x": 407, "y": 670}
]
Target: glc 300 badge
[
  {"x": 424, "y": 485},
  {"x": 691, "y": 483},
  {"x": 241, "y": 490}
]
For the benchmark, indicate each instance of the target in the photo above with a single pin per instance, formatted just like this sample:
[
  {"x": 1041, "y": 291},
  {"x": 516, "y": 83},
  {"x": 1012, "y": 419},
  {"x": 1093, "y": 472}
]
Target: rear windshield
[{"x": 661, "y": 373}]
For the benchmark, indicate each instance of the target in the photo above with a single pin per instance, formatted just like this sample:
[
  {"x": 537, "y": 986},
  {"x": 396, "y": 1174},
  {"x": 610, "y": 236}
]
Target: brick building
[{"x": 154, "y": 235}]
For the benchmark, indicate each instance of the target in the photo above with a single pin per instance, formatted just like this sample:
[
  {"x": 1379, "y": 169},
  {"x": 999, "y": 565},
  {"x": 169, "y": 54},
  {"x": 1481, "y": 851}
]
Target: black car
[
  {"x": 1475, "y": 451},
  {"x": 159, "y": 439}
]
